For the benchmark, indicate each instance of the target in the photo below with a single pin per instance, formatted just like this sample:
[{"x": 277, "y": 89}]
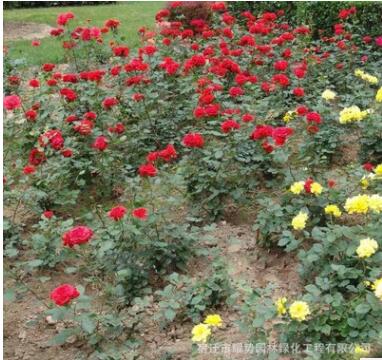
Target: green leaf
[
  {"x": 169, "y": 314},
  {"x": 88, "y": 325},
  {"x": 9, "y": 295},
  {"x": 61, "y": 338},
  {"x": 362, "y": 308}
]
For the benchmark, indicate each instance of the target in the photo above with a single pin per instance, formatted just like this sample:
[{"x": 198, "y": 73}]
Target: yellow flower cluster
[
  {"x": 378, "y": 96},
  {"x": 365, "y": 181},
  {"x": 361, "y": 204},
  {"x": 280, "y": 306},
  {"x": 201, "y": 332},
  {"x": 366, "y": 248},
  {"x": 298, "y": 187},
  {"x": 333, "y": 210},
  {"x": 328, "y": 95},
  {"x": 299, "y": 310},
  {"x": 289, "y": 116},
  {"x": 366, "y": 77},
  {"x": 352, "y": 113},
  {"x": 299, "y": 221}
]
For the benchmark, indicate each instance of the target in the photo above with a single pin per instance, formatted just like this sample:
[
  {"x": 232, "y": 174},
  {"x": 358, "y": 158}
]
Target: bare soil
[
  {"x": 19, "y": 30},
  {"x": 26, "y": 331}
]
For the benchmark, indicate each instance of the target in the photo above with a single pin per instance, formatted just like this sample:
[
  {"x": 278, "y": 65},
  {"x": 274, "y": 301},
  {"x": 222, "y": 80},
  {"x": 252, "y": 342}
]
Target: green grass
[{"x": 132, "y": 14}]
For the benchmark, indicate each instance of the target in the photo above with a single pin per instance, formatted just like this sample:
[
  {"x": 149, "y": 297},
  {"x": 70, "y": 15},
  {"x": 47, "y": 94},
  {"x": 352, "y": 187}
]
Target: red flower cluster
[{"x": 167, "y": 154}]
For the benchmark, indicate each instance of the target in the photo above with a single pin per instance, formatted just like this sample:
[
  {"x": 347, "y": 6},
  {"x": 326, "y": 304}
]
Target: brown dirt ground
[
  {"x": 15, "y": 30},
  {"x": 24, "y": 340}
]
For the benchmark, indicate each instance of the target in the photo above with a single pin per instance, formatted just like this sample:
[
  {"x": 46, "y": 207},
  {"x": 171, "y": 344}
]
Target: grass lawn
[{"x": 132, "y": 14}]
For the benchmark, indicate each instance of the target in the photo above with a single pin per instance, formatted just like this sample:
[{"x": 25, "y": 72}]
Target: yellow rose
[
  {"x": 299, "y": 221},
  {"x": 280, "y": 306},
  {"x": 299, "y": 310},
  {"x": 378, "y": 96},
  {"x": 375, "y": 203},
  {"x": 214, "y": 320},
  {"x": 378, "y": 288},
  {"x": 328, "y": 95},
  {"x": 316, "y": 188},
  {"x": 200, "y": 333},
  {"x": 378, "y": 169},
  {"x": 352, "y": 113},
  {"x": 297, "y": 187},
  {"x": 366, "y": 248},
  {"x": 357, "y": 204},
  {"x": 333, "y": 210}
]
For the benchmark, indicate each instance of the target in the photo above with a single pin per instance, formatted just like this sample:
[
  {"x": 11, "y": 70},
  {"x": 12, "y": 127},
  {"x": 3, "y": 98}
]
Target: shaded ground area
[
  {"x": 27, "y": 332},
  {"x": 25, "y": 30}
]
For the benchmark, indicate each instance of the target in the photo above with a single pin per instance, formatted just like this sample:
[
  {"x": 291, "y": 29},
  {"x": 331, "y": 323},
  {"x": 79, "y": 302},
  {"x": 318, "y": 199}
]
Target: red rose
[
  {"x": 71, "y": 118},
  {"x": 308, "y": 184},
  {"x": 229, "y": 125},
  {"x": 302, "y": 110},
  {"x": 63, "y": 18},
  {"x": 280, "y": 134},
  {"x": 313, "y": 129},
  {"x": 69, "y": 94},
  {"x": 281, "y": 65},
  {"x": 84, "y": 127},
  {"x": 108, "y": 103},
  {"x": 12, "y": 102},
  {"x": 313, "y": 117},
  {"x": 247, "y": 117},
  {"x": 140, "y": 213},
  {"x": 267, "y": 147},
  {"x": 90, "y": 115},
  {"x": 368, "y": 167},
  {"x": 31, "y": 115},
  {"x": 147, "y": 170},
  {"x": 67, "y": 153},
  {"x": 51, "y": 82},
  {"x": 77, "y": 235},
  {"x": 331, "y": 183},
  {"x": 112, "y": 23},
  {"x": 36, "y": 43},
  {"x": 299, "y": 72},
  {"x": 63, "y": 294},
  {"x": 236, "y": 91},
  {"x": 138, "y": 97},
  {"x": 100, "y": 143},
  {"x": 261, "y": 131},
  {"x": 281, "y": 79},
  {"x": 36, "y": 157},
  {"x": 34, "y": 83},
  {"x": 168, "y": 153},
  {"x": 48, "y": 67},
  {"x": 122, "y": 51},
  {"x": 29, "y": 169},
  {"x": 193, "y": 140},
  {"x": 117, "y": 213},
  {"x": 298, "y": 92},
  {"x": 48, "y": 214}
]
